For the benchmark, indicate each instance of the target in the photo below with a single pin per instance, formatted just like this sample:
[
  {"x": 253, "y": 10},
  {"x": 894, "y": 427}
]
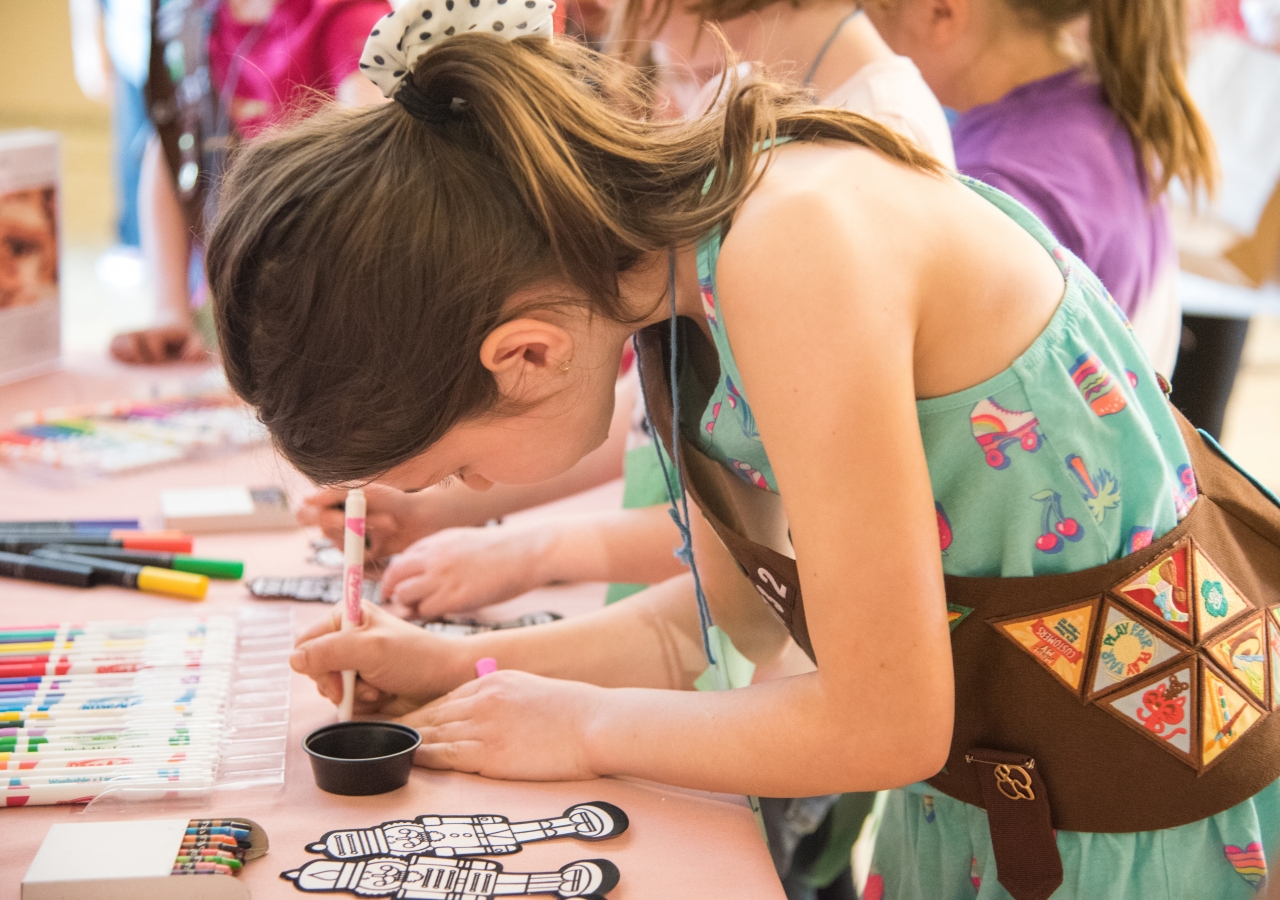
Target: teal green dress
[{"x": 1067, "y": 460}]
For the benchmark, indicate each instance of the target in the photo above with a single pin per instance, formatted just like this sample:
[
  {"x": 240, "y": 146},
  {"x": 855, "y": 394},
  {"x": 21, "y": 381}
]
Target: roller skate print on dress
[
  {"x": 428, "y": 878},
  {"x": 457, "y": 836},
  {"x": 996, "y": 429}
]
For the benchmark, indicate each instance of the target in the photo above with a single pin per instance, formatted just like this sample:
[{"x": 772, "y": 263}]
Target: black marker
[{"x": 53, "y": 571}]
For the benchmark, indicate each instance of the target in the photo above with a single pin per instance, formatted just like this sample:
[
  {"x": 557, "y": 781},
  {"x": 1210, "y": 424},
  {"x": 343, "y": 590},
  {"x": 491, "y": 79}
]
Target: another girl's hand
[
  {"x": 510, "y": 725},
  {"x": 392, "y": 520},
  {"x": 393, "y": 659},
  {"x": 461, "y": 569}
]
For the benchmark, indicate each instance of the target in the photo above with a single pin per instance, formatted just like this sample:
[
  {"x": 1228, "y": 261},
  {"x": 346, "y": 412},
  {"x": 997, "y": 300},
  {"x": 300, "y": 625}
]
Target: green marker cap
[{"x": 214, "y": 568}]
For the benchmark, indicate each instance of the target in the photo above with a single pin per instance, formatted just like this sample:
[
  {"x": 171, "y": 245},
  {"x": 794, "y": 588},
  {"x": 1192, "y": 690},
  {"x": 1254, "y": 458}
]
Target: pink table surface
[{"x": 680, "y": 844}]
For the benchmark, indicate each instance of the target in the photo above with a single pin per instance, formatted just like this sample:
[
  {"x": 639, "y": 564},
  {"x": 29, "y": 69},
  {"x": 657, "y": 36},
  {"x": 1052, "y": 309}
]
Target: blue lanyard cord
[{"x": 685, "y": 553}]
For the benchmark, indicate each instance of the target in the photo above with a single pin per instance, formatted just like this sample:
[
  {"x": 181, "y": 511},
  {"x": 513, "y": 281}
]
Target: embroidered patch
[
  {"x": 1273, "y": 648},
  {"x": 1056, "y": 639},
  {"x": 995, "y": 428},
  {"x": 956, "y": 614},
  {"x": 1096, "y": 385},
  {"x": 1217, "y": 601},
  {"x": 1162, "y": 708},
  {"x": 1226, "y": 713},
  {"x": 1250, "y": 862},
  {"x": 1162, "y": 590},
  {"x": 1101, "y": 490},
  {"x": 1126, "y": 649},
  {"x": 1242, "y": 654}
]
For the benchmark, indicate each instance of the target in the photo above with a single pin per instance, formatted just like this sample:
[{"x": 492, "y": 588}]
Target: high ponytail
[
  {"x": 373, "y": 231},
  {"x": 1139, "y": 50}
]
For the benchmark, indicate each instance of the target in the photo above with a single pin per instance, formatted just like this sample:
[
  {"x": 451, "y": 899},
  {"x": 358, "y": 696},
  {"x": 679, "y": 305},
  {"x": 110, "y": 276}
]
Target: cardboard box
[
  {"x": 207, "y": 510},
  {"x": 127, "y": 861},
  {"x": 30, "y": 241}
]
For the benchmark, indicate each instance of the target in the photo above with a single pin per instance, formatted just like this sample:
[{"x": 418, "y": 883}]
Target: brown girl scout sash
[{"x": 1133, "y": 696}]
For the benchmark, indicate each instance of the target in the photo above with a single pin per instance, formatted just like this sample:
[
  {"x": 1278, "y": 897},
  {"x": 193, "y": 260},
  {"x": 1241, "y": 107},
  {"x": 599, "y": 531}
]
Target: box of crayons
[{"x": 146, "y": 859}]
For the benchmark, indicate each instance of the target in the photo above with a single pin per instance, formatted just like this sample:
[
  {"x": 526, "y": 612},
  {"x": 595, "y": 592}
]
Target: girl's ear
[
  {"x": 528, "y": 358},
  {"x": 947, "y": 18}
]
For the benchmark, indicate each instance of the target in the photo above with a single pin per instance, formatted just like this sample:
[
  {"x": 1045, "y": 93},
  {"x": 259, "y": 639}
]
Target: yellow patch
[
  {"x": 1242, "y": 653},
  {"x": 1056, "y": 639},
  {"x": 1217, "y": 601},
  {"x": 1226, "y": 716}
]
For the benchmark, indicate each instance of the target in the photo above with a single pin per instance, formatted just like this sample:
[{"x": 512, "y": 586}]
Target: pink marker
[
  {"x": 352, "y": 583},
  {"x": 486, "y": 666}
]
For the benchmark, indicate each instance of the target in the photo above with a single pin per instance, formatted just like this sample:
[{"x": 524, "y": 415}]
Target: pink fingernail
[{"x": 486, "y": 666}]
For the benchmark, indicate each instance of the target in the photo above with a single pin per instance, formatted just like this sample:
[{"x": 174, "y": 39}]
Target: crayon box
[{"x": 127, "y": 861}]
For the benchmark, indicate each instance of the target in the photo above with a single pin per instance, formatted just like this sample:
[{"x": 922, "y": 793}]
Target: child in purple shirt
[{"x": 1087, "y": 133}]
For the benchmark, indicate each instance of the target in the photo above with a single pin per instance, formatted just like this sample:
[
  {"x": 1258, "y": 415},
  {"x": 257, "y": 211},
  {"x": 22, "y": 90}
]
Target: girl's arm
[
  {"x": 461, "y": 569},
  {"x": 166, "y": 245},
  {"x": 651, "y": 640}
]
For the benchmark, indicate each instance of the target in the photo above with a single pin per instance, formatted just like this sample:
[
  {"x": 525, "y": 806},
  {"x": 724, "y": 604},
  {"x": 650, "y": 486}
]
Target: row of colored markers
[
  {"x": 115, "y": 552},
  {"x": 212, "y": 847},
  {"x": 84, "y": 707}
]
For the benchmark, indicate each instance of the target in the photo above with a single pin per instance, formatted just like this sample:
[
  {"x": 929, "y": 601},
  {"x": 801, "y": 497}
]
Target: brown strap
[{"x": 1028, "y": 864}]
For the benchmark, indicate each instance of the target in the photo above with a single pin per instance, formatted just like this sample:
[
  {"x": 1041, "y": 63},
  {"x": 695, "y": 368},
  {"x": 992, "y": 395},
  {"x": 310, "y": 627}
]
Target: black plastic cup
[{"x": 362, "y": 758}]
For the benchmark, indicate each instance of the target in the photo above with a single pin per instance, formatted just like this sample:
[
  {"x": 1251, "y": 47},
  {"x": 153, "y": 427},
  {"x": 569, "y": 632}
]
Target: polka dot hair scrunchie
[{"x": 400, "y": 38}]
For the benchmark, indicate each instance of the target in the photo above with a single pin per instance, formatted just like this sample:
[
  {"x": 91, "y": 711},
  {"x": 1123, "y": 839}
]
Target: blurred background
[{"x": 106, "y": 290}]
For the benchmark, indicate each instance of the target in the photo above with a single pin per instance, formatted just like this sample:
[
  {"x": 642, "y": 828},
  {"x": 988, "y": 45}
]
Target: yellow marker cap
[{"x": 155, "y": 580}]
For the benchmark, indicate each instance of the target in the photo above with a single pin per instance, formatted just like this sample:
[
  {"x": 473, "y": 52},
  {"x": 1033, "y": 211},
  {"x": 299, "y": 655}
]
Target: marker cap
[
  {"x": 214, "y": 568},
  {"x": 175, "y": 584},
  {"x": 167, "y": 543}
]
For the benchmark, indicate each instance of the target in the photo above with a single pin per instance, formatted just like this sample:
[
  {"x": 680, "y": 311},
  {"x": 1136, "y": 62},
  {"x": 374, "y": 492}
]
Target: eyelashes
[{"x": 448, "y": 481}]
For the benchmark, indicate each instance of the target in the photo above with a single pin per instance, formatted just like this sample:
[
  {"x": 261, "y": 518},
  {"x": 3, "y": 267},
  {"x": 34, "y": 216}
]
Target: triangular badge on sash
[
  {"x": 1226, "y": 713},
  {"x": 1273, "y": 653},
  {"x": 1217, "y": 600},
  {"x": 1127, "y": 648},
  {"x": 1241, "y": 651},
  {"x": 1163, "y": 708},
  {"x": 1056, "y": 638},
  {"x": 1162, "y": 591},
  {"x": 957, "y": 614}
]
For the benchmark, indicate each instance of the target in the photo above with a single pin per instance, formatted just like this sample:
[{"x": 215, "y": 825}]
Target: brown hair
[
  {"x": 1139, "y": 50},
  {"x": 361, "y": 257}
]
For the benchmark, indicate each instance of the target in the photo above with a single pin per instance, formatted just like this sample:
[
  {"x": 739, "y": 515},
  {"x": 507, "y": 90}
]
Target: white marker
[{"x": 352, "y": 584}]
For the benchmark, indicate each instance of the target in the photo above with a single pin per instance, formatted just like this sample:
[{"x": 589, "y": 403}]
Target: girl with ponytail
[
  {"x": 1087, "y": 133},
  {"x": 915, "y": 436}
]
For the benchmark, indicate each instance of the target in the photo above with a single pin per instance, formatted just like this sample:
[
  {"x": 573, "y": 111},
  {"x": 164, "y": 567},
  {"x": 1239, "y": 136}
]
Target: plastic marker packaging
[{"x": 187, "y": 710}]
